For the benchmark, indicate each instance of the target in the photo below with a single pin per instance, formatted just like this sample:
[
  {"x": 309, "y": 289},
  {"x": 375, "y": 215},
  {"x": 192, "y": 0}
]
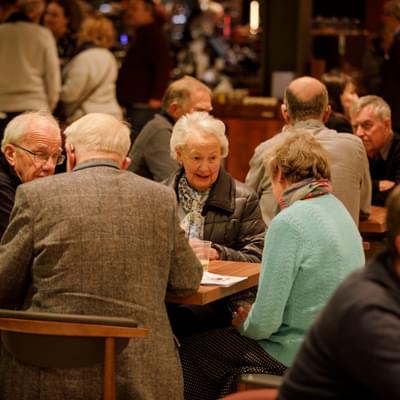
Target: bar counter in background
[{"x": 249, "y": 121}]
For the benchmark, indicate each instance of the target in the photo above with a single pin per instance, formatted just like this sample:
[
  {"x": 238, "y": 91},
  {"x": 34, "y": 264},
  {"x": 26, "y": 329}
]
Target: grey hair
[
  {"x": 379, "y": 106},
  {"x": 299, "y": 109},
  {"x": 99, "y": 132},
  {"x": 200, "y": 123},
  {"x": 181, "y": 91},
  {"x": 21, "y": 124}
]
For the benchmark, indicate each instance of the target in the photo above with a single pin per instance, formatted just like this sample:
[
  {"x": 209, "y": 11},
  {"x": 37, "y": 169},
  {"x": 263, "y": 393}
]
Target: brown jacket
[{"x": 97, "y": 241}]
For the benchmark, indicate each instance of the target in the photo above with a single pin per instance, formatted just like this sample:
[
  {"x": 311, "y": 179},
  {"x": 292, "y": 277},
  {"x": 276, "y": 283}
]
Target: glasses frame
[{"x": 41, "y": 157}]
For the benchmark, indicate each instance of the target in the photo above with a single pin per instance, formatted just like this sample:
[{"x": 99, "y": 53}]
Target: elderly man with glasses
[{"x": 31, "y": 149}]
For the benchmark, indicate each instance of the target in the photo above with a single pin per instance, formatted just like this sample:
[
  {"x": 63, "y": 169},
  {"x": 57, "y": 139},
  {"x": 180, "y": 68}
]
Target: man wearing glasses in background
[{"x": 31, "y": 148}]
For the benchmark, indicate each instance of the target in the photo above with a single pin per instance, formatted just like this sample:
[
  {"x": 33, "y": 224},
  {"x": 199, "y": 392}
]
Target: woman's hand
[
  {"x": 214, "y": 255},
  {"x": 240, "y": 315},
  {"x": 197, "y": 245}
]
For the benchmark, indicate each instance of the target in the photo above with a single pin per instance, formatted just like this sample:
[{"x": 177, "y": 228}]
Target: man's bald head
[{"x": 305, "y": 98}]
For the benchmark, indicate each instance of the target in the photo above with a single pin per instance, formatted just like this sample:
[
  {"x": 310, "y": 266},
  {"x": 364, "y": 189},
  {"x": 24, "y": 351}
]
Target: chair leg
[{"x": 109, "y": 390}]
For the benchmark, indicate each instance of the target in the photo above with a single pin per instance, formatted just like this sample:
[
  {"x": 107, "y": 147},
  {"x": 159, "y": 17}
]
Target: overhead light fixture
[{"x": 254, "y": 16}]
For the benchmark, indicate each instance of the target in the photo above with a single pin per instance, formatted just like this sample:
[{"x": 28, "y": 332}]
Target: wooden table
[
  {"x": 207, "y": 294},
  {"x": 376, "y": 223}
]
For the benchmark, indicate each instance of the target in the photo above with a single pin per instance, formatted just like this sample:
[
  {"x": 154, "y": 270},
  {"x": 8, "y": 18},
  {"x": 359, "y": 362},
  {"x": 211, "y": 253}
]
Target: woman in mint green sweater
[{"x": 310, "y": 247}]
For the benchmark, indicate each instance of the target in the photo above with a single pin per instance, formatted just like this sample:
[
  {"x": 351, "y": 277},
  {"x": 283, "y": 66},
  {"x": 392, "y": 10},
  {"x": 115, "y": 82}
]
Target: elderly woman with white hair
[{"x": 212, "y": 205}]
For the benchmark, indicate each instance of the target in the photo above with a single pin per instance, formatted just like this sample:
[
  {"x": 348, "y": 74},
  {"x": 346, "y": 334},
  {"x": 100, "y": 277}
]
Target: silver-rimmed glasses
[{"x": 40, "y": 157}]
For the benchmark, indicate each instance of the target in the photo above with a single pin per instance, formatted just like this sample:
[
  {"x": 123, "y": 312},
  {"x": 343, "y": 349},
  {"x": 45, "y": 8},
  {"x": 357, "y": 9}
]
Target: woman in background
[
  {"x": 342, "y": 93},
  {"x": 89, "y": 78},
  {"x": 310, "y": 247},
  {"x": 64, "y": 19}
]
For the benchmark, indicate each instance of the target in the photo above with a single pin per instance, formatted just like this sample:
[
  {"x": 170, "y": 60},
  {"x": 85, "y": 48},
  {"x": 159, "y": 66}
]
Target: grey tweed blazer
[{"x": 99, "y": 241}]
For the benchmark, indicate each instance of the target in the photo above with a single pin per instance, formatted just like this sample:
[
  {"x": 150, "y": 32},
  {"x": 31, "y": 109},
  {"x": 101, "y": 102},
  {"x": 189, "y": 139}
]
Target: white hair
[
  {"x": 200, "y": 123},
  {"x": 22, "y": 123},
  {"x": 99, "y": 132}
]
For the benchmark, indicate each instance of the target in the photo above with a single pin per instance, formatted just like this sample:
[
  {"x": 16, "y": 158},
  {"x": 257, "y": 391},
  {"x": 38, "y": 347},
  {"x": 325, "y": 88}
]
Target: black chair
[{"x": 68, "y": 341}]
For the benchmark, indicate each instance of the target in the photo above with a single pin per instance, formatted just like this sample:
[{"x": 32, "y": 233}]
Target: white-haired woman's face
[{"x": 201, "y": 160}]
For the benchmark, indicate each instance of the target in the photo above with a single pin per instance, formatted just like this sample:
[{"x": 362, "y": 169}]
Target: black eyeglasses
[{"x": 39, "y": 157}]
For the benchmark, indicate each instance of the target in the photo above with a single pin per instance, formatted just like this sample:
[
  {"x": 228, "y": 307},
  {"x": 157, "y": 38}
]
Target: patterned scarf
[
  {"x": 305, "y": 189},
  {"x": 192, "y": 203}
]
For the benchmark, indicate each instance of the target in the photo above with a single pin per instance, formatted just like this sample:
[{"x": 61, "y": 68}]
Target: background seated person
[
  {"x": 306, "y": 107},
  {"x": 342, "y": 93},
  {"x": 64, "y": 19},
  {"x": 31, "y": 148},
  {"x": 371, "y": 120},
  {"x": 353, "y": 349},
  {"x": 310, "y": 247},
  {"x": 211, "y": 204},
  {"x": 150, "y": 153}
]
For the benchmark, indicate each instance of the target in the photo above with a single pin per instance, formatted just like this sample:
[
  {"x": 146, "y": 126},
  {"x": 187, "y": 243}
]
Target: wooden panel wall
[{"x": 244, "y": 136}]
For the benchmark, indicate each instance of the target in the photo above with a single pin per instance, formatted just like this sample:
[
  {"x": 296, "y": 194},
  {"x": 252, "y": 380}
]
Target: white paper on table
[{"x": 220, "y": 280}]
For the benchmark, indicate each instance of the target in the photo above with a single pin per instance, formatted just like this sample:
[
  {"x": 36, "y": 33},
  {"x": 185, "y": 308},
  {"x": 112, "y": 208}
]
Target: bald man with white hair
[{"x": 306, "y": 107}]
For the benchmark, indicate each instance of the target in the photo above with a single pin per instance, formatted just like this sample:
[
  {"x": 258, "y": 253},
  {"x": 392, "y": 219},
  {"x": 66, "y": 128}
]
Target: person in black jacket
[
  {"x": 31, "y": 148},
  {"x": 353, "y": 349},
  {"x": 215, "y": 207},
  {"x": 371, "y": 120}
]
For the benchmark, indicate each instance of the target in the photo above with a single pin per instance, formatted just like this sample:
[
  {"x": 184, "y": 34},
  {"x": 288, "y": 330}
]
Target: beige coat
[
  {"x": 97, "y": 241},
  {"x": 351, "y": 181}
]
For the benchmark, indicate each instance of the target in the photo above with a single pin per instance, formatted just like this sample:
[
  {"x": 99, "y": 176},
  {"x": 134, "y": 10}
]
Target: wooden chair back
[
  {"x": 258, "y": 394},
  {"x": 52, "y": 340}
]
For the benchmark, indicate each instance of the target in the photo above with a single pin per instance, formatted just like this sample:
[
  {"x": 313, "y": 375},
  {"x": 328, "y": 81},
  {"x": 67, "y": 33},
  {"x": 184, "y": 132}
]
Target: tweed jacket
[
  {"x": 97, "y": 241},
  {"x": 150, "y": 152},
  {"x": 351, "y": 180},
  {"x": 233, "y": 221}
]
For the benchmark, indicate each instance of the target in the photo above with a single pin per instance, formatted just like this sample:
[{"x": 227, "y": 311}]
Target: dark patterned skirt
[{"x": 213, "y": 360}]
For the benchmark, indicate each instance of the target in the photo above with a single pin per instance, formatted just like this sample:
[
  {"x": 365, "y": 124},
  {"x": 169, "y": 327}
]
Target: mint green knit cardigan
[{"x": 310, "y": 247}]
